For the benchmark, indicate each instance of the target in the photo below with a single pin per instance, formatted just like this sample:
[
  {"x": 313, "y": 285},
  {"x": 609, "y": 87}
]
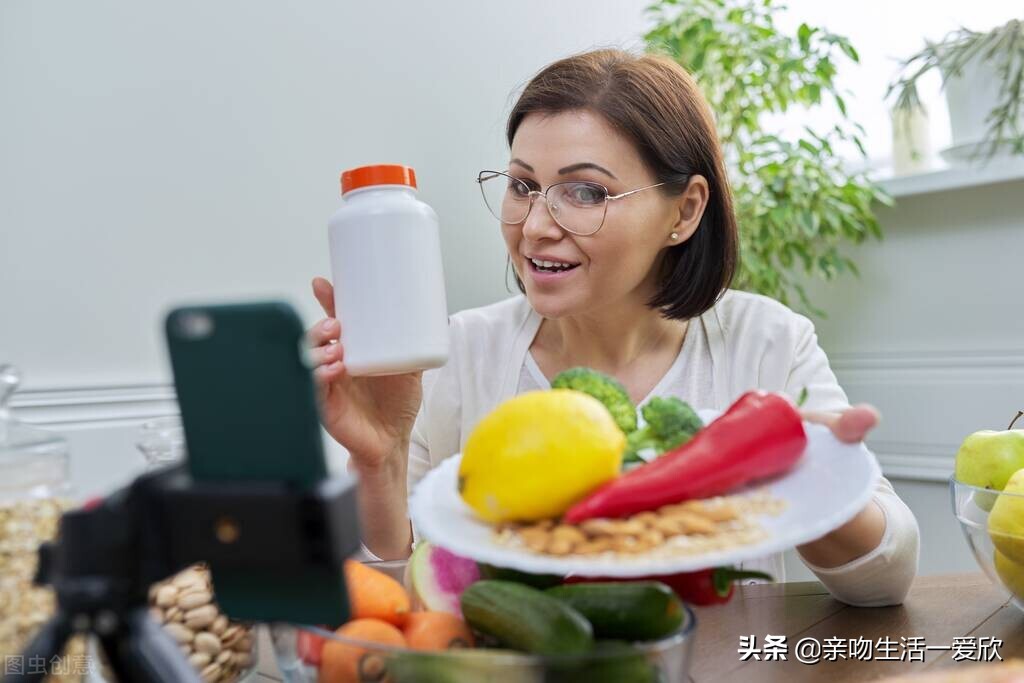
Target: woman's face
[{"x": 615, "y": 264}]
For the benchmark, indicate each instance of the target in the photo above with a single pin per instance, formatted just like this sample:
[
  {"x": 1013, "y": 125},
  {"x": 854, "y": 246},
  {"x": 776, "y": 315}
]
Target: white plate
[{"x": 829, "y": 485}]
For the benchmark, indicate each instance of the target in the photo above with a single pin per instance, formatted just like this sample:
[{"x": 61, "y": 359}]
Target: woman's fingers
[
  {"x": 849, "y": 426},
  {"x": 325, "y": 355},
  {"x": 324, "y": 332},
  {"x": 324, "y": 293},
  {"x": 325, "y": 374}
]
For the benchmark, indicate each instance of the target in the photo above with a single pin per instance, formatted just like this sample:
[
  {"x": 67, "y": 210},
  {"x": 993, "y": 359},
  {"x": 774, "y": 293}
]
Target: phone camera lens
[{"x": 194, "y": 325}]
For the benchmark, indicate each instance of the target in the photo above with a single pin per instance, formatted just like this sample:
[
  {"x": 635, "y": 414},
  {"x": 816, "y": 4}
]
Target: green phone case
[
  {"x": 248, "y": 404},
  {"x": 247, "y": 398}
]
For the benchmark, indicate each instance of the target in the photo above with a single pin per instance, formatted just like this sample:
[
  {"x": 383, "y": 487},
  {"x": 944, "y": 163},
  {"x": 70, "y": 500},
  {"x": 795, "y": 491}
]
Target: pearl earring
[{"x": 675, "y": 235}]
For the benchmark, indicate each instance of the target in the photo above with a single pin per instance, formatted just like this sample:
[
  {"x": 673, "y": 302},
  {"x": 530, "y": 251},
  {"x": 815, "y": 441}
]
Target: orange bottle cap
[{"x": 378, "y": 174}]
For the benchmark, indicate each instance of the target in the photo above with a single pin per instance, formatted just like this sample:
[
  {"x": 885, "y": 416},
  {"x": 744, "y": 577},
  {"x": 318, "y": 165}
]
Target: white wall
[{"x": 152, "y": 153}]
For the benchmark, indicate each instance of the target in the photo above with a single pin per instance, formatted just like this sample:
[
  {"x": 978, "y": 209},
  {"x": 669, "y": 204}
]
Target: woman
[{"x": 618, "y": 220}]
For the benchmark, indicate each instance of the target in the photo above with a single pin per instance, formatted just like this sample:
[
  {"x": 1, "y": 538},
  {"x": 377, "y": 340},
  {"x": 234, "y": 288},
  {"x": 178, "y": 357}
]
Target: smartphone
[
  {"x": 247, "y": 397},
  {"x": 248, "y": 405}
]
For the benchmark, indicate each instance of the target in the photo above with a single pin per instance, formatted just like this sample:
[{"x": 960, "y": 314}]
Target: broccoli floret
[
  {"x": 670, "y": 423},
  {"x": 605, "y": 389}
]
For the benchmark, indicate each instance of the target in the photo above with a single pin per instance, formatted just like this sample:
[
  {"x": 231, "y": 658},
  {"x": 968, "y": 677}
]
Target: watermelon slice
[{"x": 438, "y": 578}]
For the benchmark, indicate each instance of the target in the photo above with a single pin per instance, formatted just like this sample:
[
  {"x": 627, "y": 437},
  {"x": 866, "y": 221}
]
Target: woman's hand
[
  {"x": 371, "y": 417},
  {"x": 849, "y": 426},
  {"x": 864, "y": 532}
]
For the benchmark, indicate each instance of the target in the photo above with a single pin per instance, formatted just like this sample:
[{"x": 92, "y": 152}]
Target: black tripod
[{"x": 107, "y": 554}]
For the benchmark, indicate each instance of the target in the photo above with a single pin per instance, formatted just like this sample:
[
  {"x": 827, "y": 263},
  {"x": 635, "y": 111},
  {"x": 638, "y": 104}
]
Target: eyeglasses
[{"x": 577, "y": 206}]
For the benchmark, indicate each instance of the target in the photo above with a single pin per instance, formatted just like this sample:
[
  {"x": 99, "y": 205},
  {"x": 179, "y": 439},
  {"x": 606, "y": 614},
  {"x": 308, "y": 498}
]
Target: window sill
[{"x": 954, "y": 178}]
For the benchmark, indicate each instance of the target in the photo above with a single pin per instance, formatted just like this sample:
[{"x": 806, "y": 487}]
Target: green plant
[
  {"x": 1004, "y": 48},
  {"x": 797, "y": 203}
]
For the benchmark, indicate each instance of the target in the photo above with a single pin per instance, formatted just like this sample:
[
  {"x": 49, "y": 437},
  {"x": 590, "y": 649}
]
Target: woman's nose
[{"x": 539, "y": 223}]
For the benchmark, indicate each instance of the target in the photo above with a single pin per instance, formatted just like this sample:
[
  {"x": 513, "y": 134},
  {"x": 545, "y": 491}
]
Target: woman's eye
[
  {"x": 518, "y": 188},
  {"x": 587, "y": 195}
]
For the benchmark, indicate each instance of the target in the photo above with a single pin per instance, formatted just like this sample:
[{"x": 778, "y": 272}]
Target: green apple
[
  {"x": 988, "y": 458},
  {"x": 1011, "y": 573},
  {"x": 1006, "y": 521}
]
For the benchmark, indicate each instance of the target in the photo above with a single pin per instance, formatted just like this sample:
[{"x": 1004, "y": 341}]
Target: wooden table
[{"x": 938, "y": 609}]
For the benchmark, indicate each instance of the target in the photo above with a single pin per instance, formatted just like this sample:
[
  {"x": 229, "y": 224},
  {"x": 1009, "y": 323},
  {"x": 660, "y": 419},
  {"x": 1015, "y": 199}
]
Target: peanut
[
  {"x": 245, "y": 644},
  {"x": 630, "y": 528},
  {"x": 646, "y": 518},
  {"x": 166, "y": 596},
  {"x": 208, "y": 643},
  {"x": 598, "y": 545},
  {"x": 653, "y": 537},
  {"x": 189, "y": 578},
  {"x": 211, "y": 673},
  {"x": 232, "y": 636},
  {"x": 559, "y": 546},
  {"x": 719, "y": 512},
  {"x": 200, "y": 617},
  {"x": 599, "y": 527},
  {"x": 193, "y": 599},
  {"x": 670, "y": 526},
  {"x": 220, "y": 624},
  {"x": 532, "y": 533},
  {"x": 569, "y": 533},
  {"x": 198, "y": 660},
  {"x": 695, "y": 524}
]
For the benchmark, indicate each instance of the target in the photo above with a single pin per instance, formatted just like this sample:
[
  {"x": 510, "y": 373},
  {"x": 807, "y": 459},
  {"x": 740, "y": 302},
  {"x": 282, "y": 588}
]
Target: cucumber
[
  {"x": 634, "y": 610},
  {"x": 524, "y": 618}
]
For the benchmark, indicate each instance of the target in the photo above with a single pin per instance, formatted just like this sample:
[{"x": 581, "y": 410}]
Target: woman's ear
[{"x": 691, "y": 204}]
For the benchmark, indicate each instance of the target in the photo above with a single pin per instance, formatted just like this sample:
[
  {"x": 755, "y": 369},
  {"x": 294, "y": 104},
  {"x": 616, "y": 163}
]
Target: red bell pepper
[
  {"x": 760, "y": 435},
  {"x": 708, "y": 586}
]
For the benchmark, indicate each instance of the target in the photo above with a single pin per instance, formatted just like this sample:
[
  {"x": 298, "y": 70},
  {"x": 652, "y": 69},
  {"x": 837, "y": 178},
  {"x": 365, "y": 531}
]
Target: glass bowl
[
  {"x": 661, "y": 661},
  {"x": 993, "y": 524}
]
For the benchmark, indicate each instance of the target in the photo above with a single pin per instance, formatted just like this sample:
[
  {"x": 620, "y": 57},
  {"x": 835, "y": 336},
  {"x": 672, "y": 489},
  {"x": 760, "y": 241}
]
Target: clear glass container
[
  {"x": 34, "y": 491},
  {"x": 162, "y": 441},
  {"x": 997, "y": 545},
  {"x": 662, "y": 661}
]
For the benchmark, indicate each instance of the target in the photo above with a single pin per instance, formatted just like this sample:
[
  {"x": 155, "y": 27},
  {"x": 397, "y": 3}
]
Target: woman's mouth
[
  {"x": 546, "y": 271},
  {"x": 542, "y": 265}
]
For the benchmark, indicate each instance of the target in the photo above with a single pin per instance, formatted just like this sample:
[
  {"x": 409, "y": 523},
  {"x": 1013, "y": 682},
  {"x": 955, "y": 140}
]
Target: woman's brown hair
[{"x": 654, "y": 102}]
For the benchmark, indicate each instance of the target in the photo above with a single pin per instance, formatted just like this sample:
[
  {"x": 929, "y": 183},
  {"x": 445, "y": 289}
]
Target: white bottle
[{"x": 388, "y": 278}]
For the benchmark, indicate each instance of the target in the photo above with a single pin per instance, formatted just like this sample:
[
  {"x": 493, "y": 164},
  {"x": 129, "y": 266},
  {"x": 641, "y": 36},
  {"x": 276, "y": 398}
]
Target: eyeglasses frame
[{"x": 533, "y": 194}]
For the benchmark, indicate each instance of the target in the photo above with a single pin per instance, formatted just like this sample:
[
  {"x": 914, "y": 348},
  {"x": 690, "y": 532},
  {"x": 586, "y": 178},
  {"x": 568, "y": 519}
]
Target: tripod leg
[
  {"x": 140, "y": 652},
  {"x": 48, "y": 643}
]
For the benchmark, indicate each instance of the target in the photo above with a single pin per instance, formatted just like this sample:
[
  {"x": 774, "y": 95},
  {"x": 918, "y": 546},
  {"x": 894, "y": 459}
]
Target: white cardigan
[{"x": 754, "y": 342}]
